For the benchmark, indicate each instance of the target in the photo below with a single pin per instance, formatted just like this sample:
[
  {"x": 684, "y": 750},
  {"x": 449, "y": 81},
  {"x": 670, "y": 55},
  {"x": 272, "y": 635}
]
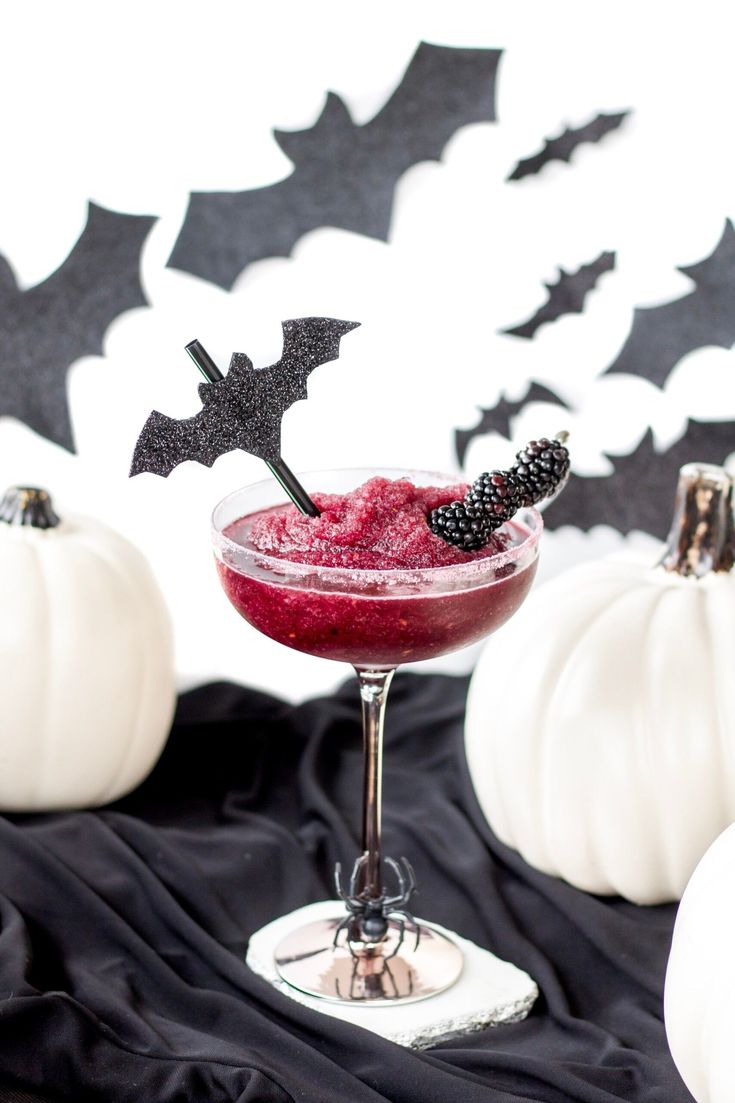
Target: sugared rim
[{"x": 450, "y": 571}]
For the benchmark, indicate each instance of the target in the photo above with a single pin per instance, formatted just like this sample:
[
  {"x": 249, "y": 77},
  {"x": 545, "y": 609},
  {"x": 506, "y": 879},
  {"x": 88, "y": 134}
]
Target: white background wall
[{"x": 135, "y": 105}]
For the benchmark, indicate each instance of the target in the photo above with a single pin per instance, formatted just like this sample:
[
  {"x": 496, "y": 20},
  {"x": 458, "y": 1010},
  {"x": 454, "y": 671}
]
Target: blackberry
[
  {"x": 497, "y": 494},
  {"x": 542, "y": 468},
  {"x": 461, "y": 524}
]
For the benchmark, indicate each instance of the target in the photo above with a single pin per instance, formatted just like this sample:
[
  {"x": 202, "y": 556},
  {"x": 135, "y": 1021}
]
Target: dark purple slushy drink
[{"x": 368, "y": 582}]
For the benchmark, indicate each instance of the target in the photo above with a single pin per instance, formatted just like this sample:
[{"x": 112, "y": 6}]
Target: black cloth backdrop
[{"x": 124, "y": 930}]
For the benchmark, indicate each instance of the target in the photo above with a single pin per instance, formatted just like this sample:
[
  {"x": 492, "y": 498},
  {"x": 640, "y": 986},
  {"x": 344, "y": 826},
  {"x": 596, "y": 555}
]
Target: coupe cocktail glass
[{"x": 375, "y": 620}]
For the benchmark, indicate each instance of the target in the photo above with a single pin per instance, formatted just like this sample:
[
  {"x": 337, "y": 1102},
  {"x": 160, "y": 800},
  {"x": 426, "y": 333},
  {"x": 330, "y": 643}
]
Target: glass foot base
[{"x": 396, "y": 970}]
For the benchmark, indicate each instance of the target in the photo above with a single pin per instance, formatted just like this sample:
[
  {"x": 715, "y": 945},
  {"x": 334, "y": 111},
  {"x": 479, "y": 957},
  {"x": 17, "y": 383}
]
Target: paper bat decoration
[
  {"x": 344, "y": 175},
  {"x": 567, "y": 295},
  {"x": 497, "y": 420},
  {"x": 640, "y": 493},
  {"x": 45, "y": 329},
  {"x": 562, "y": 148},
  {"x": 661, "y": 335},
  {"x": 245, "y": 408}
]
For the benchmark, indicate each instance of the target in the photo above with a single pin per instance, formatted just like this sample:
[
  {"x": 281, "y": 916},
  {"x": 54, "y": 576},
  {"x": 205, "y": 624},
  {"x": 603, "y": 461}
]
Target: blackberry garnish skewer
[{"x": 541, "y": 470}]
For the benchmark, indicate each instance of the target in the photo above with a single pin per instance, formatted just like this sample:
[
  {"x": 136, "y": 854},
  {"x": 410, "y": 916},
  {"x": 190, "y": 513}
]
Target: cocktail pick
[{"x": 244, "y": 408}]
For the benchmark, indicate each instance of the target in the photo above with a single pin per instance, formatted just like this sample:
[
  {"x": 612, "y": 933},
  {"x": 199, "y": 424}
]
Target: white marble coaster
[{"x": 489, "y": 991}]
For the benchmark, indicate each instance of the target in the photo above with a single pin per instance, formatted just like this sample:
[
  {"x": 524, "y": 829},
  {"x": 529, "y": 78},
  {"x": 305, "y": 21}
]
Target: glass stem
[{"x": 374, "y": 686}]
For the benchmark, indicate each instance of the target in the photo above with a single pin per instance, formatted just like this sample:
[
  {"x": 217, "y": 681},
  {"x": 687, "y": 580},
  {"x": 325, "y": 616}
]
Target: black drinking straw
[{"x": 278, "y": 468}]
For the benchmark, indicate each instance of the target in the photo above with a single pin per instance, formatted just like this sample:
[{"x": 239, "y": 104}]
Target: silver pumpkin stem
[
  {"x": 28, "y": 505},
  {"x": 702, "y": 537}
]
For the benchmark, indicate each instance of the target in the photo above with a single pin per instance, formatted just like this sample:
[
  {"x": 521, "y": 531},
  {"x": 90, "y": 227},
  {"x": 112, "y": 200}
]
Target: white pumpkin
[
  {"x": 700, "y": 979},
  {"x": 86, "y": 660},
  {"x": 600, "y": 730}
]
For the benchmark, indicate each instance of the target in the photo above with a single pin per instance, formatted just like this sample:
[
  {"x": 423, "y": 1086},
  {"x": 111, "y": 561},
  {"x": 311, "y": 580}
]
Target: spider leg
[
  {"x": 411, "y": 878},
  {"x": 389, "y": 902},
  {"x": 407, "y": 915},
  {"x": 348, "y": 940},
  {"x": 356, "y": 870},
  {"x": 399, "y": 943},
  {"x": 353, "y": 978},
  {"x": 343, "y": 923},
  {"x": 406, "y": 882},
  {"x": 392, "y": 979},
  {"x": 338, "y": 881},
  {"x": 353, "y": 916},
  {"x": 399, "y": 874}
]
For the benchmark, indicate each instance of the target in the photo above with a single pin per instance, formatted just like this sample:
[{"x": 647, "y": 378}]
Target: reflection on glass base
[{"x": 393, "y": 971}]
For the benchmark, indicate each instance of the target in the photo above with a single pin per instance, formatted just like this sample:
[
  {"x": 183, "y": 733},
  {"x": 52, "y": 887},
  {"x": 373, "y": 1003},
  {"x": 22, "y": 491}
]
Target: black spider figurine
[{"x": 368, "y": 916}]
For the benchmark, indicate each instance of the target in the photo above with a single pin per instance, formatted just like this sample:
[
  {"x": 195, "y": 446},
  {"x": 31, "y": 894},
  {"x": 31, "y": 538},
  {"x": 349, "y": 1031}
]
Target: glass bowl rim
[{"x": 364, "y": 575}]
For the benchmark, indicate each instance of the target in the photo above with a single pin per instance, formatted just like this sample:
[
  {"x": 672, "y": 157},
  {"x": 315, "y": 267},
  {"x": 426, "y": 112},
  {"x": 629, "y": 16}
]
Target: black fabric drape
[{"x": 123, "y": 931}]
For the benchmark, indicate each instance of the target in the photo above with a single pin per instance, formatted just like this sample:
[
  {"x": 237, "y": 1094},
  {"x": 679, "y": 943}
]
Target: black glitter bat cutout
[
  {"x": 48, "y": 327},
  {"x": 640, "y": 493},
  {"x": 243, "y": 410},
  {"x": 661, "y": 335},
  {"x": 344, "y": 175},
  {"x": 562, "y": 148},
  {"x": 497, "y": 419},
  {"x": 566, "y": 296}
]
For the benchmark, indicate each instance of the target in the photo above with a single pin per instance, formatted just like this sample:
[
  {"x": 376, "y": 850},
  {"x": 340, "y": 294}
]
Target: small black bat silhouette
[
  {"x": 562, "y": 148},
  {"x": 344, "y": 175},
  {"x": 45, "y": 329},
  {"x": 497, "y": 419},
  {"x": 661, "y": 335},
  {"x": 567, "y": 295},
  {"x": 245, "y": 408},
  {"x": 640, "y": 492}
]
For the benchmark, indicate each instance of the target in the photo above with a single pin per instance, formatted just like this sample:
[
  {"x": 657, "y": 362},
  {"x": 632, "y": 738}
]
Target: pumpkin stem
[
  {"x": 702, "y": 537},
  {"x": 28, "y": 505}
]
